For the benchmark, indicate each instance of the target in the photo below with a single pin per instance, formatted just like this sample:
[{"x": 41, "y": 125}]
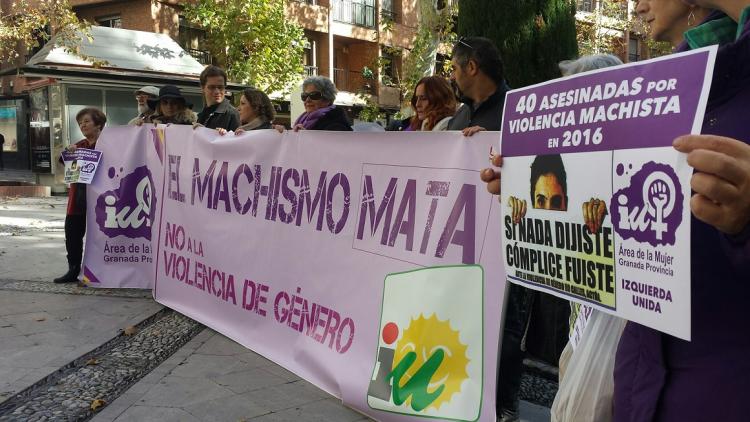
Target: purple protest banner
[
  {"x": 596, "y": 201},
  {"x": 122, "y": 208},
  {"x": 365, "y": 263}
]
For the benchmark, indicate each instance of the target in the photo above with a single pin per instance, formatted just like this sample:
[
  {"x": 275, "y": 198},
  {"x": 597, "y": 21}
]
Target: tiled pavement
[{"x": 40, "y": 332}]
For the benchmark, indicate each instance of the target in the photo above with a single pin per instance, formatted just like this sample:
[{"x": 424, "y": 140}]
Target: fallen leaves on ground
[
  {"x": 130, "y": 331},
  {"x": 40, "y": 319},
  {"x": 92, "y": 361},
  {"x": 97, "y": 404}
]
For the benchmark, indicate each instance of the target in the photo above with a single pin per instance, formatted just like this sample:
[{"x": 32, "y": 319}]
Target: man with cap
[{"x": 142, "y": 95}]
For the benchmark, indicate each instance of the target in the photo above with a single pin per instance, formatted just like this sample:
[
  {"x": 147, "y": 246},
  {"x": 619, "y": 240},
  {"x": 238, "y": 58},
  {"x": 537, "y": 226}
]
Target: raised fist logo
[
  {"x": 659, "y": 193},
  {"x": 650, "y": 208}
]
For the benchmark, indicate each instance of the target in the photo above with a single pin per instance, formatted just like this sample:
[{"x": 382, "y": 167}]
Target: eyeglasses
[
  {"x": 315, "y": 95},
  {"x": 216, "y": 87},
  {"x": 462, "y": 40}
]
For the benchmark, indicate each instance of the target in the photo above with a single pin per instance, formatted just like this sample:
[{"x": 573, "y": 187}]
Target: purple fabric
[
  {"x": 661, "y": 378},
  {"x": 308, "y": 120}
]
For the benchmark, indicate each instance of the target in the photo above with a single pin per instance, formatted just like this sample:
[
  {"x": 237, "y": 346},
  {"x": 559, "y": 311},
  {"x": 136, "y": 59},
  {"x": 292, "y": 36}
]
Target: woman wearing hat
[{"x": 172, "y": 108}]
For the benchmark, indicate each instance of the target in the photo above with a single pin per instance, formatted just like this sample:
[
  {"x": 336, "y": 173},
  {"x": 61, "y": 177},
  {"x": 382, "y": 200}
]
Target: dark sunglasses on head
[
  {"x": 315, "y": 95},
  {"x": 462, "y": 40}
]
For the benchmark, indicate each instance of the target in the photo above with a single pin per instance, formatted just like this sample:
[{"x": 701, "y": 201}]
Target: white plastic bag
[{"x": 586, "y": 372}]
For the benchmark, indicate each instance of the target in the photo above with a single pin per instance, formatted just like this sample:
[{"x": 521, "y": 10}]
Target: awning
[{"x": 118, "y": 55}]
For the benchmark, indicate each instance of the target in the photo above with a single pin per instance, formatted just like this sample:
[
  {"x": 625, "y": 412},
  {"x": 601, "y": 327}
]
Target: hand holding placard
[{"x": 721, "y": 182}]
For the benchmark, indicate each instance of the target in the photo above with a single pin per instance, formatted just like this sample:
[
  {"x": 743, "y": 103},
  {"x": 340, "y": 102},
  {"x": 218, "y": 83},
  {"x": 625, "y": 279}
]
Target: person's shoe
[
  {"x": 70, "y": 277},
  {"x": 508, "y": 415}
]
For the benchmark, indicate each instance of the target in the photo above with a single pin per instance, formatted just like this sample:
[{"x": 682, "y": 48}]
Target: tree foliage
[
  {"x": 32, "y": 23},
  {"x": 532, "y": 35},
  {"x": 435, "y": 27},
  {"x": 253, "y": 40},
  {"x": 606, "y": 28}
]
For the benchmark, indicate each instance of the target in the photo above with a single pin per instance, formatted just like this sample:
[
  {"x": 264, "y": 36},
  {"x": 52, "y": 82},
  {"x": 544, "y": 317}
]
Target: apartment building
[
  {"x": 346, "y": 36},
  {"x": 614, "y": 22},
  {"x": 343, "y": 36}
]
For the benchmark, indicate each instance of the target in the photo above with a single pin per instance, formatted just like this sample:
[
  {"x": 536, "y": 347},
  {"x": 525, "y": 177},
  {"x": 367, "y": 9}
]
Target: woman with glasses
[
  {"x": 434, "y": 104},
  {"x": 318, "y": 94},
  {"x": 172, "y": 108}
]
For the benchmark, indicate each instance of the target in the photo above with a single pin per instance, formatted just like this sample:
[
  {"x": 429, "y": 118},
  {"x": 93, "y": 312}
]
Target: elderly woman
[
  {"x": 91, "y": 122},
  {"x": 434, "y": 104},
  {"x": 318, "y": 94},
  {"x": 256, "y": 112},
  {"x": 172, "y": 108}
]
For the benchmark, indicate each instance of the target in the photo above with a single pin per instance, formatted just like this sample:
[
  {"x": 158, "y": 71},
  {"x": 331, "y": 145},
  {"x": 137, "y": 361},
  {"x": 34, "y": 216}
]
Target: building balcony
[
  {"x": 352, "y": 81},
  {"x": 203, "y": 56},
  {"x": 310, "y": 71},
  {"x": 354, "y": 13},
  {"x": 387, "y": 16},
  {"x": 586, "y": 6},
  {"x": 615, "y": 10}
]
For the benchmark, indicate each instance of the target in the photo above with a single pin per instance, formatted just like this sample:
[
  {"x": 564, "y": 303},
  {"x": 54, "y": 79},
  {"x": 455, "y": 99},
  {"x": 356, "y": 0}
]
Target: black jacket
[
  {"x": 221, "y": 115},
  {"x": 398, "y": 125},
  {"x": 333, "y": 120},
  {"x": 488, "y": 115}
]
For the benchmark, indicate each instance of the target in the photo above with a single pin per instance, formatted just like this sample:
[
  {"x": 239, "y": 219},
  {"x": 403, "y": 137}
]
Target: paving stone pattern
[
  {"x": 40, "y": 332},
  {"x": 102, "y": 374}
]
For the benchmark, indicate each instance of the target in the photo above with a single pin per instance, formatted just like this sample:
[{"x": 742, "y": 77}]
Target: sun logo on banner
[
  {"x": 429, "y": 359},
  {"x": 429, "y": 363}
]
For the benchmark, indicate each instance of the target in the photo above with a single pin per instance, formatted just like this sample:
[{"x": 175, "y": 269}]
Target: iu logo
[
  {"x": 130, "y": 209},
  {"x": 429, "y": 357},
  {"x": 650, "y": 209}
]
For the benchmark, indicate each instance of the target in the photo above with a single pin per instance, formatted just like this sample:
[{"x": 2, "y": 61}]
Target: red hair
[{"x": 442, "y": 102}]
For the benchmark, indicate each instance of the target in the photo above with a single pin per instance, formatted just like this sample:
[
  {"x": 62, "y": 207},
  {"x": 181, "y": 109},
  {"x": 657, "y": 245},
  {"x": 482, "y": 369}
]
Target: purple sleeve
[{"x": 737, "y": 248}]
